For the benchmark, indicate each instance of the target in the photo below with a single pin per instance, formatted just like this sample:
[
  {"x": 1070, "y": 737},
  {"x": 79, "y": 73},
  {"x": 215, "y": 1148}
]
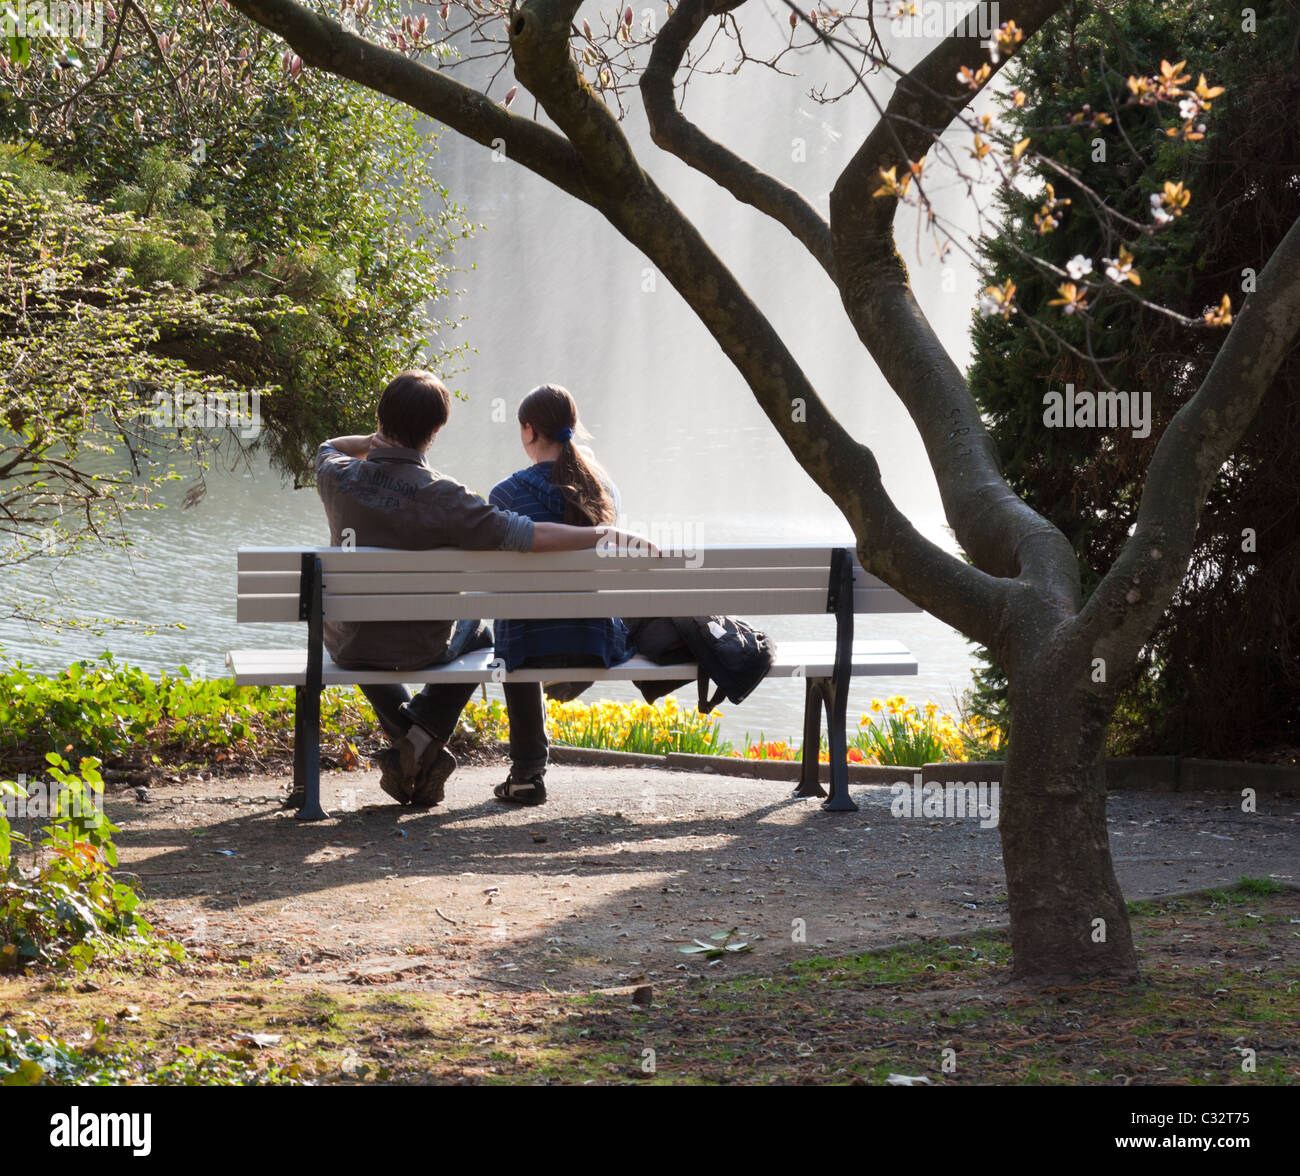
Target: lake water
[{"x": 551, "y": 293}]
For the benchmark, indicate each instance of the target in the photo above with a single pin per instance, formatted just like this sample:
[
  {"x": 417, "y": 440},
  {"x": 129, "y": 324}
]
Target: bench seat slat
[
  {"x": 634, "y": 578},
  {"x": 812, "y": 659}
]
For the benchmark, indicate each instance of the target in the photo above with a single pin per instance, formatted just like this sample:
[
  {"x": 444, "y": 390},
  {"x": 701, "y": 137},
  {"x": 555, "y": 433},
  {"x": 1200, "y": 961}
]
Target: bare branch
[
  {"x": 846, "y": 470},
  {"x": 676, "y": 134}
]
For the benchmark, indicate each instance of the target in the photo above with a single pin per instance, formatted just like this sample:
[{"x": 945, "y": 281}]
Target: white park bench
[{"x": 446, "y": 584}]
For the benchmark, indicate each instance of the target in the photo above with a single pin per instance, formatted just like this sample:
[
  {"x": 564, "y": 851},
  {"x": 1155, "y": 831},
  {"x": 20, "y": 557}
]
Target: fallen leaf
[{"x": 261, "y": 1040}]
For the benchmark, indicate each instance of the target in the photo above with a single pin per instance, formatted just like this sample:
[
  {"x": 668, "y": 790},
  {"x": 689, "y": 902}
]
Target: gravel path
[{"x": 601, "y": 886}]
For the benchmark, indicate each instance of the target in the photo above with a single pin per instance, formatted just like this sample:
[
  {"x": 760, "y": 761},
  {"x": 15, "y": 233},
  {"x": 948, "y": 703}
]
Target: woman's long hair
[{"x": 551, "y": 410}]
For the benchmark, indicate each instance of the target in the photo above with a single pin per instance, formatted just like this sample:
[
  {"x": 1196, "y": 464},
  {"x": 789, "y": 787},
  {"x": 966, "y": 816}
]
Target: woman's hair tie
[{"x": 563, "y": 435}]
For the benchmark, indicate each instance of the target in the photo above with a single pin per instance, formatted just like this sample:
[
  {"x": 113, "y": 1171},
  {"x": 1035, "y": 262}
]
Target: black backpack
[{"x": 727, "y": 650}]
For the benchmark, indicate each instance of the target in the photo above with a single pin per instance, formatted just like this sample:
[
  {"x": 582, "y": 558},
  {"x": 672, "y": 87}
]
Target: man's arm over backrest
[{"x": 465, "y": 520}]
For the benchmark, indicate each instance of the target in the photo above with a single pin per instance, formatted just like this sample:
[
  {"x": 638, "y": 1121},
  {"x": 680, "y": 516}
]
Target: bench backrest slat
[
  {"x": 455, "y": 559},
  {"x": 370, "y": 584},
  {"x": 628, "y": 579}
]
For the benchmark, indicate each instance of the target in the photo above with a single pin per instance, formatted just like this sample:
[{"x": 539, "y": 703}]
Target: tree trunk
[{"x": 1068, "y": 918}]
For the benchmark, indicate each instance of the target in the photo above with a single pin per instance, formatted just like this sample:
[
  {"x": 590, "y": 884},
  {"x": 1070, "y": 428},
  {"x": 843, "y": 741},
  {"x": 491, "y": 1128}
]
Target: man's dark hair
[{"x": 414, "y": 406}]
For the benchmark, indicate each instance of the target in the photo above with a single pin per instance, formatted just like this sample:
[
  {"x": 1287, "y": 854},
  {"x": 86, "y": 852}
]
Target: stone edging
[{"x": 1142, "y": 773}]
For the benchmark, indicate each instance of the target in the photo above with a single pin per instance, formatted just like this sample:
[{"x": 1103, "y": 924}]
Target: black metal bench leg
[
  {"x": 299, "y": 753},
  {"x": 809, "y": 785},
  {"x": 839, "y": 600},
  {"x": 837, "y": 713},
  {"x": 306, "y": 754},
  {"x": 306, "y": 725}
]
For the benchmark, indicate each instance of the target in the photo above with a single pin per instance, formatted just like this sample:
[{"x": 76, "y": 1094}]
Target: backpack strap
[{"x": 706, "y": 703}]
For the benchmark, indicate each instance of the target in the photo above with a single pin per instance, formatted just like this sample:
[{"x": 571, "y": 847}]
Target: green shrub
[
  {"x": 63, "y": 907},
  {"x": 33, "y": 1058},
  {"x": 106, "y": 709}
]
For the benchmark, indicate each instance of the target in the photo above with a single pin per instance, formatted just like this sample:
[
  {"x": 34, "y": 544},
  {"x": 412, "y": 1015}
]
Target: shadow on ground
[{"x": 601, "y": 886}]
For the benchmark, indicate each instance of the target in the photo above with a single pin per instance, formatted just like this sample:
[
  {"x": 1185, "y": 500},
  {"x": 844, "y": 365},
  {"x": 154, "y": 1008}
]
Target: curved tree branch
[
  {"x": 325, "y": 44},
  {"x": 1001, "y": 532},
  {"x": 844, "y": 469},
  {"x": 676, "y": 134},
  {"x": 1128, "y": 602}
]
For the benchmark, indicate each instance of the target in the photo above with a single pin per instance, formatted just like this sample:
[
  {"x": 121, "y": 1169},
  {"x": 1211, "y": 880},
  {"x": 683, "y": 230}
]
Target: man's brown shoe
[
  {"x": 432, "y": 785},
  {"x": 392, "y": 779}
]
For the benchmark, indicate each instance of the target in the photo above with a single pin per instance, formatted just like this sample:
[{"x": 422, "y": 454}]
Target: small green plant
[
  {"x": 30, "y": 1057},
  {"x": 66, "y": 904},
  {"x": 1258, "y": 886},
  {"x": 720, "y": 944}
]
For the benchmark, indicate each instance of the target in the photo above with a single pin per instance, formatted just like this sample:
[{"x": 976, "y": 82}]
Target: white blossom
[{"x": 1078, "y": 265}]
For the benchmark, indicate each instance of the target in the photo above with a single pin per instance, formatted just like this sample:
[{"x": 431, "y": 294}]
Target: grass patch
[{"x": 1211, "y": 992}]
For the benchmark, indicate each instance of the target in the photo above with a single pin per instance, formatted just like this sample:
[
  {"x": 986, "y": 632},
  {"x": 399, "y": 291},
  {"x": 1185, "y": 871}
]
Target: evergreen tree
[{"x": 1221, "y": 674}]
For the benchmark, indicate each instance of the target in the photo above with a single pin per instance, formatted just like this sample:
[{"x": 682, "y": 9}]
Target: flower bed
[{"x": 893, "y": 732}]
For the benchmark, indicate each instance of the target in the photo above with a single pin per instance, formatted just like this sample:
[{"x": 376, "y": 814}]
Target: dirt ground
[{"x": 601, "y": 886}]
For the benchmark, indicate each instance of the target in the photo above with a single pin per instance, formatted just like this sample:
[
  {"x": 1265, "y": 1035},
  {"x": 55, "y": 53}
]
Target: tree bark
[{"x": 1069, "y": 922}]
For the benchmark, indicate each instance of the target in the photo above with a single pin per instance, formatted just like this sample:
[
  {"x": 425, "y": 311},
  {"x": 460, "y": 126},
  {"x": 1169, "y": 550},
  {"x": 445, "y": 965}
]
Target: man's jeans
[{"x": 437, "y": 707}]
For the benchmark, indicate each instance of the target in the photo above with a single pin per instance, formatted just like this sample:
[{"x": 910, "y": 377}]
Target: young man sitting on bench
[{"x": 378, "y": 492}]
